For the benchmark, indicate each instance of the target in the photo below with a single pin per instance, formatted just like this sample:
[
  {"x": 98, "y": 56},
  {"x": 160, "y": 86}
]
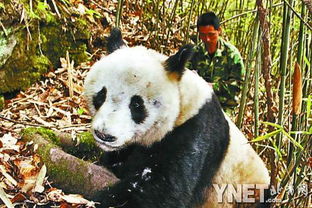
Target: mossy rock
[
  {"x": 55, "y": 43},
  {"x": 27, "y": 52},
  {"x": 29, "y": 59},
  {"x": 24, "y": 65}
]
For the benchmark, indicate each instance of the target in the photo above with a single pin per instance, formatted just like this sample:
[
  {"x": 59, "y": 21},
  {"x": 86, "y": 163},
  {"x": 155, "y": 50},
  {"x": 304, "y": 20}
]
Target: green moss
[
  {"x": 63, "y": 171},
  {"x": 27, "y": 63},
  {"x": 56, "y": 42},
  {"x": 69, "y": 173},
  {"x": 45, "y": 133},
  {"x": 86, "y": 147},
  {"x": 87, "y": 139},
  {"x": 24, "y": 66}
]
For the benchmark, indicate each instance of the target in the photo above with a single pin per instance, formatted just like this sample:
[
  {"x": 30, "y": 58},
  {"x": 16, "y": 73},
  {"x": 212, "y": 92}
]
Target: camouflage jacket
[{"x": 225, "y": 69}]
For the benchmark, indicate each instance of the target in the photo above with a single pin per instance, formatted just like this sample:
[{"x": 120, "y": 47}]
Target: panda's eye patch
[
  {"x": 137, "y": 108},
  {"x": 99, "y": 98}
]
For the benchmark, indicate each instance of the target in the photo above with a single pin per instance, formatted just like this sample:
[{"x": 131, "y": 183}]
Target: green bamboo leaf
[
  {"x": 277, "y": 150},
  {"x": 80, "y": 111},
  {"x": 272, "y": 124},
  {"x": 264, "y": 137},
  {"x": 292, "y": 140}
]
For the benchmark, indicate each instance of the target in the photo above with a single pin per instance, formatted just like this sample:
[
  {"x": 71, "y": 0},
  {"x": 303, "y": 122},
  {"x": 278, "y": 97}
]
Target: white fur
[
  {"x": 194, "y": 93},
  {"x": 241, "y": 165},
  {"x": 125, "y": 73}
]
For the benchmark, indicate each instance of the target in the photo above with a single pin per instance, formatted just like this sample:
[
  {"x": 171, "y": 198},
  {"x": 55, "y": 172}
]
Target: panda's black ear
[
  {"x": 114, "y": 41},
  {"x": 175, "y": 64}
]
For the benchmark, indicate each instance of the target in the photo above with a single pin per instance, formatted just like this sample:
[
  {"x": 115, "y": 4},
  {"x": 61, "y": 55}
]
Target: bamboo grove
[{"x": 275, "y": 40}]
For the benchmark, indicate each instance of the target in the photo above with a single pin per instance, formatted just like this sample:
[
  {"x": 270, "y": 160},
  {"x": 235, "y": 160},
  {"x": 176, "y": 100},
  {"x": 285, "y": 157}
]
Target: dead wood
[{"x": 68, "y": 172}]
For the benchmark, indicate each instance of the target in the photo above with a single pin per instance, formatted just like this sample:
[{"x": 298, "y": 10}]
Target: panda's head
[{"x": 133, "y": 94}]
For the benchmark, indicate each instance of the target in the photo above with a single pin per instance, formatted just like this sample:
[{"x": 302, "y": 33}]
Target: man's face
[{"x": 209, "y": 35}]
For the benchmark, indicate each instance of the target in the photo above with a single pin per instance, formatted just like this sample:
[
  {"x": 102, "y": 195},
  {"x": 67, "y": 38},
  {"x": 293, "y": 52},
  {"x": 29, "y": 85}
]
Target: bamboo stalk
[
  {"x": 307, "y": 81},
  {"x": 119, "y": 13},
  {"x": 256, "y": 96},
  {"x": 266, "y": 61},
  {"x": 172, "y": 15},
  {"x": 157, "y": 11},
  {"x": 296, "y": 109},
  {"x": 283, "y": 66},
  {"x": 248, "y": 73},
  {"x": 290, "y": 6},
  {"x": 240, "y": 23},
  {"x": 301, "y": 38},
  {"x": 248, "y": 12},
  {"x": 187, "y": 32}
]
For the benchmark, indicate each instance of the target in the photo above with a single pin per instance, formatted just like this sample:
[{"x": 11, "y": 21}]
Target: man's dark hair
[{"x": 208, "y": 18}]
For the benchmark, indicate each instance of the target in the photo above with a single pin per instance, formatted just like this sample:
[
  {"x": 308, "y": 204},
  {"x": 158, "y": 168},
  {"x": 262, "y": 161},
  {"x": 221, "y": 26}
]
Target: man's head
[{"x": 208, "y": 26}]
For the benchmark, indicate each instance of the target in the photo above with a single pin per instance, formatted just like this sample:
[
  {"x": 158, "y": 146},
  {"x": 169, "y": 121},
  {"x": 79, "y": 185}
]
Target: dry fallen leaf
[
  {"x": 9, "y": 142},
  {"x": 55, "y": 195},
  {"x": 74, "y": 199},
  {"x": 40, "y": 179},
  {"x": 5, "y": 199},
  {"x": 7, "y": 176},
  {"x": 19, "y": 198}
]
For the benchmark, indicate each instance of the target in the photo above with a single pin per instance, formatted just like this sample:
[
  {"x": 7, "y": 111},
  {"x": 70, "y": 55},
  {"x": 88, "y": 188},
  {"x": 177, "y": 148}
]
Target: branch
[
  {"x": 48, "y": 126},
  {"x": 19, "y": 122},
  {"x": 69, "y": 173}
]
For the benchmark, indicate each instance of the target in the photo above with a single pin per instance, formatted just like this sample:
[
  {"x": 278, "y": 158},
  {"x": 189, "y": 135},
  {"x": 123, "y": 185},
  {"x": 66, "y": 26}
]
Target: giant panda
[{"x": 164, "y": 132}]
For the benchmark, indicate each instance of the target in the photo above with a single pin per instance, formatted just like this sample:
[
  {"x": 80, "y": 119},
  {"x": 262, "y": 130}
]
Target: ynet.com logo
[{"x": 252, "y": 193}]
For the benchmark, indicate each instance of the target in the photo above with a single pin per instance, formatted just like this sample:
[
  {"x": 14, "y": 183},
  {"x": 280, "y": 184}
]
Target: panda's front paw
[{"x": 102, "y": 198}]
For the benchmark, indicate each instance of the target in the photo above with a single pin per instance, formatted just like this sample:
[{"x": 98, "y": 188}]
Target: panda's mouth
[{"x": 106, "y": 146}]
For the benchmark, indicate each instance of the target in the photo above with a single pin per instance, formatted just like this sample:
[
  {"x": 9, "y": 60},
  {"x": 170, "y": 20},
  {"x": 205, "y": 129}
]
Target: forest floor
[
  {"x": 45, "y": 104},
  {"x": 56, "y": 102}
]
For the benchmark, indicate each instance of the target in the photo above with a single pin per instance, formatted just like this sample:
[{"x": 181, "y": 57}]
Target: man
[{"x": 217, "y": 61}]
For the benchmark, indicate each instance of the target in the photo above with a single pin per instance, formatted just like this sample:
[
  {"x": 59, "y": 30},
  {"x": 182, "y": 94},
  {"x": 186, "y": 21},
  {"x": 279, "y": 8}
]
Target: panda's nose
[{"x": 104, "y": 137}]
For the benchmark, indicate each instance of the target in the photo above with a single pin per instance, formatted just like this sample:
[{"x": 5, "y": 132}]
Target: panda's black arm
[
  {"x": 179, "y": 168},
  {"x": 126, "y": 161},
  {"x": 150, "y": 188}
]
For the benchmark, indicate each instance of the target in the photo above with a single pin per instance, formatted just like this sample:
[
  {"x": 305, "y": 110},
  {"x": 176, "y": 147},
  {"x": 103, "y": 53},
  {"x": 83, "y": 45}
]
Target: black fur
[
  {"x": 176, "y": 63},
  {"x": 114, "y": 41},
  {"x": 174, "y": 172},
  {"x": 99, "y": 98},
  {"x": 137, "y": 108}
]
